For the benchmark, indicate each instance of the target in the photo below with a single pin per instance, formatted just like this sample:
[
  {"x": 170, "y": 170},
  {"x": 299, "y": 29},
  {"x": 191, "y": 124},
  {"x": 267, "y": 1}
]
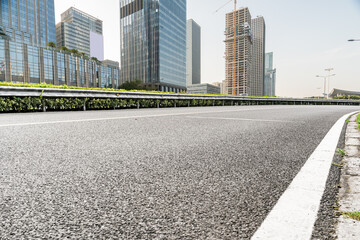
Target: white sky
[{"x": 306, "y": 37}]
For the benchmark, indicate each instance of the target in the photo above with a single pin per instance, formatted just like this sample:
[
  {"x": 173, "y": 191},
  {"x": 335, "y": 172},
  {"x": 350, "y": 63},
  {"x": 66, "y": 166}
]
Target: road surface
[{"x": 181, "y": 173}]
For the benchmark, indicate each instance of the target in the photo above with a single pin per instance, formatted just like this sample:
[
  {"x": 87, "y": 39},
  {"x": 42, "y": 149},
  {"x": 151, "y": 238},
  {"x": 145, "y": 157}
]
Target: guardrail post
[
  {"x": 189, "y": 103},
  {"x": 138, "y": 105},
  {"x": 84, "y": 106},
  {"x": 175, "y": 104},
  {"x": 158, "y": 105},
  {"x": 44, "y": 107},
  {"x": 213, "y": 103},
  {"x": 232, "y": 103}
]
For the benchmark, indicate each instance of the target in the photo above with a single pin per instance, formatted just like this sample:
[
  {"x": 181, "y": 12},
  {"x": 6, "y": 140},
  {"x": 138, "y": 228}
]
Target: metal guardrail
[{"x": 75, "y": 93}]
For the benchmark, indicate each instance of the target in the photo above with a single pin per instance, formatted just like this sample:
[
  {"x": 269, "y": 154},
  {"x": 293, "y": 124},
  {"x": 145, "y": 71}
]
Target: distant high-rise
[
  {"x": 238, "y": 55},
  {"x": 26, "y": 27},
  {"x": 258, "y": 57},
  {"x": 193, "y": 53},
  {"x": 270, "y": 76},
  {"x": 81, "y": 31},
  {"x": 31, "y": 22},
  {"x": 153, "y": 43}
]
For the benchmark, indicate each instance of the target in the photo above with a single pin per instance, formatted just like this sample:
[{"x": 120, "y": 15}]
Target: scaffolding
[{"x": 238, "y": 42}]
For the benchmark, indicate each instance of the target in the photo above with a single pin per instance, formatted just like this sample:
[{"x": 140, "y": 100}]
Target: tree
[
  {"x": 74, "y": 51},
  {"x": 51, "y": 44},
  {"x": 132, "y": 85},
  {"x": 136, "y": 84},
  {"x": 94, "y": 59},
  {"x": 65, "y": 49},
  {"x": 82, "y": 54}
]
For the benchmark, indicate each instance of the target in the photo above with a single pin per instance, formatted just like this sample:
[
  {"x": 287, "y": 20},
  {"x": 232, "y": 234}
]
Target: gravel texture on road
[{"x": 168, "y": 176}]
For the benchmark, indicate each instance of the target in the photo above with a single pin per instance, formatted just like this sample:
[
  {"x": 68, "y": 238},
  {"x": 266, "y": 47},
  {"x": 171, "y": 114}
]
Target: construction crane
[
  {"x": 223, "y": 6},
  {"x": 235, "y": 38}
]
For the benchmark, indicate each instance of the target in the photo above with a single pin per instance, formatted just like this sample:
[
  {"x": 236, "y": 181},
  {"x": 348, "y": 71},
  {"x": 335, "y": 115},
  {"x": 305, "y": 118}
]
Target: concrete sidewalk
[{"x": 349, "y": 195}]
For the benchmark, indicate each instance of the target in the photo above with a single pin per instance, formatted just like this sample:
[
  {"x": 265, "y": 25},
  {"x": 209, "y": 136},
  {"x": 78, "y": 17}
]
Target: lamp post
[
  {"x": 328, "y": 77},
  {"x": 320, "y": 92},
  {"x": 324, "y": 77},
  {"x": 354, "y": 40}
]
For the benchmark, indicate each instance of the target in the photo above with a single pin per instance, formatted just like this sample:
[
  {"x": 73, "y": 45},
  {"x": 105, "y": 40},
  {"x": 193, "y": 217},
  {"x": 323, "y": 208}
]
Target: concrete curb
[{"x": 349, "y": 195}]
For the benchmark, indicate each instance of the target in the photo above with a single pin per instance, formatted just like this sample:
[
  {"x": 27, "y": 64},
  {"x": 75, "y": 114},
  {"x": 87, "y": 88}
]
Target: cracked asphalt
[{"x": 182, "y": 173}]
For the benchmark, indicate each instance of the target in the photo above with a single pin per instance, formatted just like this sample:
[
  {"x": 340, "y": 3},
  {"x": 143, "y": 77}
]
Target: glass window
[{"x": 34, "y": 64}]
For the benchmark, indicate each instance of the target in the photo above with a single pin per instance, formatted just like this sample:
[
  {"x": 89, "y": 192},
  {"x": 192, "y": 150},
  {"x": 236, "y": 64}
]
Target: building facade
[
  {"x": 25, "y": 63},
  {"x": 153, "y": 43},
  {"x": 258, "y": 57},
  {"x": 28, "y": 21},
  {"x": 238, "y": 55},
  {"x": 270, "y": 76},
  {"x": 222, "y": 86},
  {"x": 204, "y": 88},
  {"x": 193, "y": 53},
  {"x": 81, "y": 31}
]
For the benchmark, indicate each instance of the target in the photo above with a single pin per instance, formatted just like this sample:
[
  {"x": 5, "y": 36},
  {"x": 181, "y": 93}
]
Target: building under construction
[{"x": 238, "y": 55}]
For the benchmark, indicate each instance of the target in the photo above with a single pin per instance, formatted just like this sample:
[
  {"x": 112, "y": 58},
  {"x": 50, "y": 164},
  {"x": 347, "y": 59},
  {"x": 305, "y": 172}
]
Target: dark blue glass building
[
  {"x": 29, "y": 21},
  {"x": 153, "y": 43}
]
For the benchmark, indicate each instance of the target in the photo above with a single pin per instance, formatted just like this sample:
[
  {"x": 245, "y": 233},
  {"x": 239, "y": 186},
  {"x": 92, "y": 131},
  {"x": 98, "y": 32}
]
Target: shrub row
[
  {"x": 348, "y": 97},
  {"x": 31, "y": 104},
  {"x": 45, "y": 85}
]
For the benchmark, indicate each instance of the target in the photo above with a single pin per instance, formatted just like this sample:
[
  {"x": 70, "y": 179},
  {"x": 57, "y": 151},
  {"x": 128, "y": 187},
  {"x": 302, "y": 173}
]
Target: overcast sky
[{"x": 306, "y": 37}]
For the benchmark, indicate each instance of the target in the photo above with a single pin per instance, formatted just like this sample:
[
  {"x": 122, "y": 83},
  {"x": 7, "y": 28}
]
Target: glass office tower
[
  {"x": 81, "y": 31},
  {"x": 29, "y": 21},
  {"x": 24, "y": 57},
  {"x": 153, "y": 43}
]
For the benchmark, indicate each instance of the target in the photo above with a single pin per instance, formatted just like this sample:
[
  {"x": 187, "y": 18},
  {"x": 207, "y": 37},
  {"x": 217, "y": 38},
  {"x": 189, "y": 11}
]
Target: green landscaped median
[
  {"x": 358, "y": 121},
  {"x": 34, "y": 104},
  {"x": 45, "y": 85}
]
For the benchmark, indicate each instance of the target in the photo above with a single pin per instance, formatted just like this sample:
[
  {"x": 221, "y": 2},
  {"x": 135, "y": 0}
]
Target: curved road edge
[{"x": 294, "y": 215}]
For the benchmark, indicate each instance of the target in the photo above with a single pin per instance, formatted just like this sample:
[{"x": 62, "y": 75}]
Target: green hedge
[
  {"x": 45, "y": 85},
  {"x": 348, "y": 97},
  {"x": 33, "y": 104}
]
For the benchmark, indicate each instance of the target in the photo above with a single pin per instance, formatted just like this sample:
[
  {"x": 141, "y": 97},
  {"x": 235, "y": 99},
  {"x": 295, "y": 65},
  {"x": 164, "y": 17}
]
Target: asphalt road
[{"x": 184, "y": 173}]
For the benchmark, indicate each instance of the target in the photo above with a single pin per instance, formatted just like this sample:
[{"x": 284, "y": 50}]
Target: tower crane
[{"x": 234, "y": 45}]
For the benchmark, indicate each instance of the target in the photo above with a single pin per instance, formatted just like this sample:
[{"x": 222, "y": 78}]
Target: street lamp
[
  {"x": 329, "y": 83},
  {"x": 353, "y": 40},
  {"x": 324, "y": 83},
  {"x": 329, "y": 76}
]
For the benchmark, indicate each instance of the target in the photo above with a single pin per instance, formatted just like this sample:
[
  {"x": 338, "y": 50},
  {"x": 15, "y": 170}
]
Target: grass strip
[
  {"x": 358, "y": 121},
  {"x": 45, "y": 85},
  {"x": 352, "y": 215}
]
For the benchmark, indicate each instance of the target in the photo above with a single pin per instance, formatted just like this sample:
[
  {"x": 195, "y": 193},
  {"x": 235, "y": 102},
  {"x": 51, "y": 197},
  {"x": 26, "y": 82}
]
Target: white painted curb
[{"x": 294, "y": 215}]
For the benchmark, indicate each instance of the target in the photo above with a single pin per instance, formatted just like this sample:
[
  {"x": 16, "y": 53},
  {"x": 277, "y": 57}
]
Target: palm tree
[
  {"x": 65, "y": 49},
  {"x": 51, "y": 44},
  {"x": 74, "y": 51}
]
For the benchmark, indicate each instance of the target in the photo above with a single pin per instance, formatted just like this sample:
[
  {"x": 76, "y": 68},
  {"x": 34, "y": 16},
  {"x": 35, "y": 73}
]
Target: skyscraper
[
  {"x": 28, "y": 21},
  {"x": 270, "y": 76},
  {"x": 258, "y": 57},
  {"x": 153, "y": 43},
  {"x": 238, "y": 55},
  {"x": 193, "y": 53},
  {"x": 24, "y": 57},
  {"x": 81, "y": 31}
]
